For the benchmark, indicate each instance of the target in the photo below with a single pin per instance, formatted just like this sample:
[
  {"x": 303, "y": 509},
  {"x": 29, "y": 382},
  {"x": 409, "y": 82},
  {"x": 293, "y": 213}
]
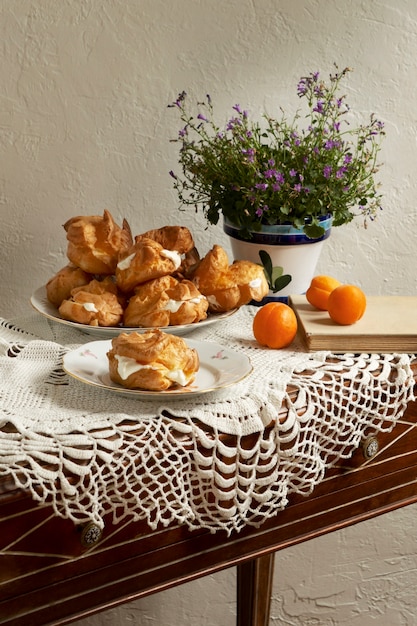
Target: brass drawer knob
[
  {"x": 90, "y": 535},
  {"x": 370, "y": 447}
]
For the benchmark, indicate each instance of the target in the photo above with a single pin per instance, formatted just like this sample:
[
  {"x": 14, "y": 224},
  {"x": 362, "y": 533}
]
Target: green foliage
[
  {"x": 274, "y": 275},
  {"x": 274, "y": 171}
]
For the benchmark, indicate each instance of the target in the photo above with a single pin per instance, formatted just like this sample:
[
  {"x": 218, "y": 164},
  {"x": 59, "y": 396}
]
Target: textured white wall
[{"x": 84, "y": 126}]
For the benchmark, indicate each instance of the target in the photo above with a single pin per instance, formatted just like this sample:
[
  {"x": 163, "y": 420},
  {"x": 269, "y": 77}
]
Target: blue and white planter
[{"x": 292, "y": 254}]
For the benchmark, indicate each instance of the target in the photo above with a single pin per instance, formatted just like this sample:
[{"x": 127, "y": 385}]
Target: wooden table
[{"x": 51, "y": 574}]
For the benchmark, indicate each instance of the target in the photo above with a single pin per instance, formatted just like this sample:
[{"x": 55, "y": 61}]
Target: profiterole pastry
[
  {"x": 92, "y": 309},
  {"x": 94, "y": 242},
  {"x": 178, "y": 238},
  {"x": 144, "y": 261},
  {"x": 153, "y": 361},
  {"x": 105, "y": 285},
  {"x": 59, "y": 287},
  {"x": 165, "y": 301},
  {"x": 229, "y": 286}
]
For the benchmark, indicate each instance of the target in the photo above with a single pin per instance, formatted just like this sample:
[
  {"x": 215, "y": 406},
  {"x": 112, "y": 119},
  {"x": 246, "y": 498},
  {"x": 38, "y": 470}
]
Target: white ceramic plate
[
  {"x": 219, "y": 368},
  {"x": 40, "y": 303}
]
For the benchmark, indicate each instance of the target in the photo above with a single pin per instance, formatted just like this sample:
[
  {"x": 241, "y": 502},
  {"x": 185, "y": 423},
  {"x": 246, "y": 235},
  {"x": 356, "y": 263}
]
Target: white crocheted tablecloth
[{"x": 219, "y": 461}]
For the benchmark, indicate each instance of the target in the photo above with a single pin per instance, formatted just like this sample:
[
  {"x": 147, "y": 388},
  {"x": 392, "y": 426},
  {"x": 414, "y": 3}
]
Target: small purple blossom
[
  {"x": 341, "y": 172},
  {"x": 202, "y": 117},
  {"x": 249, "y": 153},
  {"x": 327, "y": 171},
  {"x": 233, "y": 123},
  {"x": 293, "y": 173}
]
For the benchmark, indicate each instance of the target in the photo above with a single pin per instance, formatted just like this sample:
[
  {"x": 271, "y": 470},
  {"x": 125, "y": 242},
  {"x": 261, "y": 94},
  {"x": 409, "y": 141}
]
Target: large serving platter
[
  {"x": 41, "y": 304},
  {"x": 219, "y": 368}
]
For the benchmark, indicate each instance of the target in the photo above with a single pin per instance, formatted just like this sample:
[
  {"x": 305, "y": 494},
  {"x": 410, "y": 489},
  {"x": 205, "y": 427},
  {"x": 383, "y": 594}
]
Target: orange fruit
[
  {"x": 275, "y": 325},
  {"x": 346, "y": 304},
  {"x": 319, "y": 290}
]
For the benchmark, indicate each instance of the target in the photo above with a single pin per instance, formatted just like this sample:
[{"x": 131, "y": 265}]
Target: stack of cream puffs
[{"x": 155, "y": 279}]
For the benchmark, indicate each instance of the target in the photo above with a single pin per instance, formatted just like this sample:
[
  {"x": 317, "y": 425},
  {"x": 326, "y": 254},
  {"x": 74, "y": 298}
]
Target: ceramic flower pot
[{"x": 288, "y": 256}]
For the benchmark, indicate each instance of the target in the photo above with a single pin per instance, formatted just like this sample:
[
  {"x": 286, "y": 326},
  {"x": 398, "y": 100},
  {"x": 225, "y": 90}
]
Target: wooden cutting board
[{"x": 389, "y": 325}]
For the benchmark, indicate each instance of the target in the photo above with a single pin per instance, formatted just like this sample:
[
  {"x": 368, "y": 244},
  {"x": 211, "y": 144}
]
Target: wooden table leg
[{"x": 254, "y": 588}]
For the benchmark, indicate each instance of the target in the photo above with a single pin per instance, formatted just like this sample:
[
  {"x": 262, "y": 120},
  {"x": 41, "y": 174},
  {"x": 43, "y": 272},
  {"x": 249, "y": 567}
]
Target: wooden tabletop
[{"x": 44, "y": 557}]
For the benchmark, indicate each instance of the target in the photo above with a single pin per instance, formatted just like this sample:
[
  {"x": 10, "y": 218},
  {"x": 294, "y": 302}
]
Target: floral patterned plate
[{"x": 219, "y": 368}]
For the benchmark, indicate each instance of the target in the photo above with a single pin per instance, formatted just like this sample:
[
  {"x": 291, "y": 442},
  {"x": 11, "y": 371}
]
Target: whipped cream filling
[
  {"x": 127, "y": 366},
  {"x": 173, "y": 256},
  {"x": 124, "y": 264},
  {"x": 213, "y": 300},
  {"x": 90, "y": 306},
  {"x": 255, "y": 283},
  {"x": 174, "y": 305}
]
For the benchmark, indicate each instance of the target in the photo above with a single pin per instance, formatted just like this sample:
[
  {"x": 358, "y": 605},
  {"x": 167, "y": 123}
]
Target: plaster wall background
[{"x": 84, "y": 125}]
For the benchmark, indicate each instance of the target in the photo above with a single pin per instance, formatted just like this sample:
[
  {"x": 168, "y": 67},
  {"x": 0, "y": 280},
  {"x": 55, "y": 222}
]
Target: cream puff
[
  {"x": 144, "y": 261},
  {"x": 153, "y": 361},
  {"x": 92, "y": 309},
  {"x": 229, "y": 286},
  {"x": 59, "y": 287},
  {"x": 165, "y": 301},
  {"x": 95, "y": 243}
]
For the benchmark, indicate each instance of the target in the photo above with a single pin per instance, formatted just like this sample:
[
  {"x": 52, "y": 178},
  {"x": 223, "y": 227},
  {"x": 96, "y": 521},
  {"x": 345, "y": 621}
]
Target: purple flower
[
  {"x": 297, "y": 187},
  {"x": 270, "y": 173},
  {"x": 341, "y": 172},
  {"x": 232, "y": 123},
  {"x": 171, "y": 173},
  {"x": 261, "y": 186},
  {"x": 180, "y": 99},
  {"x": 327, "y": 170},
  {"x": 200, "y": 116},
  {"x": 276, "y": 187},
  {"x": 302, "y": 87},
  {"x": 237, "y": 108},
  {"x": 293, "y": 172},
  {"x": 250, "y": 153},
  {"x": 319, "y": 108}
]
